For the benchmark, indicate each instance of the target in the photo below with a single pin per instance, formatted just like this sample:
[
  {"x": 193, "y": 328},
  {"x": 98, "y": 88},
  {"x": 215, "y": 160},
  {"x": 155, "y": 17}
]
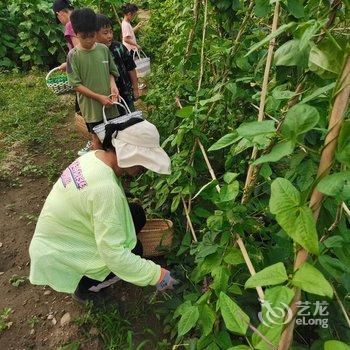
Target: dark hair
[
  {"x": 83, "y": 20},
  {"x": 126, "y": 8},
  {"x": 62, "y": 5},
  {"x": 102, "y": 21}
]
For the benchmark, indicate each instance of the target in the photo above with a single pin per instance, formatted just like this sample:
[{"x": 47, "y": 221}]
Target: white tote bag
[{"x": 143, "y": 64}]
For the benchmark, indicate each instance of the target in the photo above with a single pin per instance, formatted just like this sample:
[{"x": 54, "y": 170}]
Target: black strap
[{"x": 110, "y": 129}]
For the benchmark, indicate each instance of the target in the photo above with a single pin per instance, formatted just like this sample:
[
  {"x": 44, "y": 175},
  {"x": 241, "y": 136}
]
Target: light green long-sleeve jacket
[{"x": 86, "y": 228}]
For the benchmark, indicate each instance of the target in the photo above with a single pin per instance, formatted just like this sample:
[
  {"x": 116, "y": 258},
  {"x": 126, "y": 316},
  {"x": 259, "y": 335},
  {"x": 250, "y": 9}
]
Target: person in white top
[{"x": 128, "y": 32}]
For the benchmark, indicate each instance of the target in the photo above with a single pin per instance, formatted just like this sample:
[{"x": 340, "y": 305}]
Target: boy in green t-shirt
[{"x": 91, "y": 71}]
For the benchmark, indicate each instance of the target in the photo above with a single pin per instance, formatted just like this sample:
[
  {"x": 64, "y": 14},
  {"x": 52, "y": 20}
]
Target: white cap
[{"x": 139, "y": 145}]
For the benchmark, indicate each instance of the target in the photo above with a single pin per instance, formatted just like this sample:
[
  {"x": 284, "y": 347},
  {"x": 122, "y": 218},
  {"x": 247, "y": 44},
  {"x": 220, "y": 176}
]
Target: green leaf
[
  {"x": 343, "y": 148},
  {"x": 326, "y": 59},
  {"x": 299, "y": 119},
  {"x": 334, "y": 242},
  {"x": 230, "y": 177},
  {"x": 221, "y": 275},
  {"x": 279, "y": 151},
  {"x": 188, "y": 320},
  {"x": 335, "y": 345},
  {"x": 302, "y": 228},
  {"x": 185, "y": 112},
  {"x": 276, "y": 33},
  {"x": 284, "y": 196},
  {"x": 252, "y": 129},
  {"x": 271, "y": 275},
  {"x": 295, "y": 8},
  {"x": 309, "y": 279},
  {"x": 279, "y": 94},
  {"x": 232, "y": 87},
  {"x": 224, "y": 141},
  {"x": 289, "y": 54},
  {"x": 240, "y": 347},
  {"x": 212, "y": 99},
  {"x": 276, "y": 297},
  {"x": 317, "y": 93},
  {"x": 52, "y": 49},
  {"x": 262, "y": 8},
  {"x": 235, "y": 319},
  {"x": 336, "y": 185},
  {"x": 295, "y": 219},
  {"x": 175, "y": 203},
  {"x": 272, "y": 332},
  {"x": 229, "y": 192},
  {"x": 234, "y": 256},
  {"x": 333, "y": 266},
  {"x": 182, "y": 308},
  {"x": 206, "y": 318}
]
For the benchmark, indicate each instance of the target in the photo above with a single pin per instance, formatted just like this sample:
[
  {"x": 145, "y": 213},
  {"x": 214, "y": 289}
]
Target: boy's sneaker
[
  {"x": 86, "y": 149},
  {"x": 86, "y": 297}
]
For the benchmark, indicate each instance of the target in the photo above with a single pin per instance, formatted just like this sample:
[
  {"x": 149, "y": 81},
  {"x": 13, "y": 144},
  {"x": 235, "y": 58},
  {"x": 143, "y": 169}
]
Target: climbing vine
[{"x": 231, "y": 77}]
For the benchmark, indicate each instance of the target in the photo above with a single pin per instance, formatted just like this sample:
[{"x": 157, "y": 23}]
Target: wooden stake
[
  {"x": 189, "y": 220},
  {"x": 346, "y": 209},
  {"x": 263, "y": 93},
  {"x": 326, "y": 161}
]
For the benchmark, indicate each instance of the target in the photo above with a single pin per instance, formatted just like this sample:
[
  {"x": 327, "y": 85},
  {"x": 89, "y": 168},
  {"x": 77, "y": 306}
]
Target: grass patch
[
  {"x": 30, "y": 127},
  {"x": 28, "y": 110}
]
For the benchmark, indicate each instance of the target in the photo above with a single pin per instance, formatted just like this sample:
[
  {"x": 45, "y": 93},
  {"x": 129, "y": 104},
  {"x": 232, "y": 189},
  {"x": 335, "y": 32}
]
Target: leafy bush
[
  {"x": 216, "y": 304},
  {"x": 30, "y": 35}
]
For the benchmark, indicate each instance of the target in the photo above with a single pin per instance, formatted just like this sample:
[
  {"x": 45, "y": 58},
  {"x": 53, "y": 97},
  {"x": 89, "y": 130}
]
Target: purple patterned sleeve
[{"x": 68, "y": 34}]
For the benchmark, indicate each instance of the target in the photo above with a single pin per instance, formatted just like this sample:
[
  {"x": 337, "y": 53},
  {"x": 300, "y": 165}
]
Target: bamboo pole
[
  {"x": 346, "y": 209},
  {"x": 263, "y": 93},
  {"x": 326, "y": 161},
  {"x": 189, "y": 220}
]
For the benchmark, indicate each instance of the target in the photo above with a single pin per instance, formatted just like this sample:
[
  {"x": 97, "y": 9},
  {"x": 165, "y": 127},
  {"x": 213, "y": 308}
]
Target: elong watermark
[{"x": 308, "y": 314}]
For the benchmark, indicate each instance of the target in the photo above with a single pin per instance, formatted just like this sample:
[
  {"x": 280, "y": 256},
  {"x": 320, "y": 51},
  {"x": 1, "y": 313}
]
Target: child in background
[
  {"x": 91, "y": 71},
  {"x": 127, "y": 80},
  {"x": 128, "y": 32},
  {"x": 63, "y": 10}
]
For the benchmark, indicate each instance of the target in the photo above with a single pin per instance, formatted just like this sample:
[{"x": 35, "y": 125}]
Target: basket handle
[
  {"x": 139, "y": 52},
  {"x": 51, "y": 71},
  {"x": 123, "y": 105}
]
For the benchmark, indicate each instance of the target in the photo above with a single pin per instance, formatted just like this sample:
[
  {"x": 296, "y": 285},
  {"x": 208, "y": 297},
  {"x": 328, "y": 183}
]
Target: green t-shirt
[
  {"x": 92, "y": 69},
  {"x": 86, "y": 228}
]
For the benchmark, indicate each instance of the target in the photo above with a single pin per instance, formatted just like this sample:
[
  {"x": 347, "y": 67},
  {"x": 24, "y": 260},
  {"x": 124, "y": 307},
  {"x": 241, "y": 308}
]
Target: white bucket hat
[{"x": 139, "y": 145}]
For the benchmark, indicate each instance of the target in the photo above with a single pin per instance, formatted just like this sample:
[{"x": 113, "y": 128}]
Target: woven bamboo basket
[
  {"x": 157, "y": 233},
  {"x": 81, "y": 126}
]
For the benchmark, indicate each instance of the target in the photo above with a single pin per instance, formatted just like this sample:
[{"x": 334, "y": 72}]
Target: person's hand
[
  {"x": 114, "y": 94},
  {"x": 63, "y": 67},
  {"x": 136, "y": 93},
  {"x": 105, "y": 100},
  {"x": 165, "y": 281}
]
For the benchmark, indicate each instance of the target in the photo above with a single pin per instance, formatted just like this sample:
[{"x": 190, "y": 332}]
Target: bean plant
[{"x": 205, "y": 95}]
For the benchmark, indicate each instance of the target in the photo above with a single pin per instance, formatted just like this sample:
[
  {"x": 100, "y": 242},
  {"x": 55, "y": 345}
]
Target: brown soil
[{"x": 20, "y": 205}]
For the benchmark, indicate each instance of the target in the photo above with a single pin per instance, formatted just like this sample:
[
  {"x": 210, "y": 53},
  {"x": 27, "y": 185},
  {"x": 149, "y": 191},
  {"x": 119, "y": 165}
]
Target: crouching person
[{"x": 86, "y": 235}]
